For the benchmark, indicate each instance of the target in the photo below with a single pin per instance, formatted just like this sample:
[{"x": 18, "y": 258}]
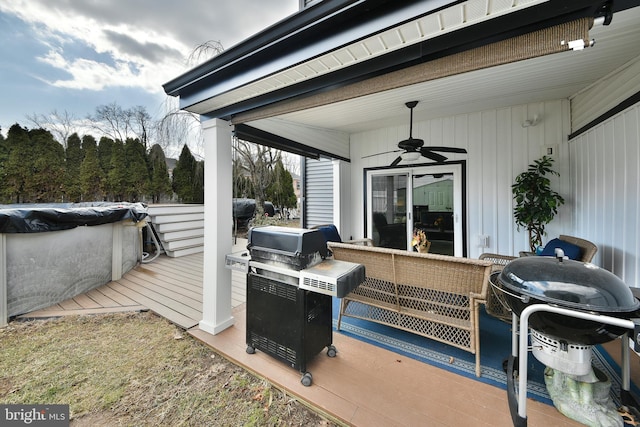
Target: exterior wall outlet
[{"x": 483, "y": 241}]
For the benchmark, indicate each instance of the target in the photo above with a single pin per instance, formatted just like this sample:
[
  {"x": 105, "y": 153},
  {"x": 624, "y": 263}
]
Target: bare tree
[
  {"x": 178, "y": 128},
  {"x": 257, "y": 162},
  {"x": 61, "y": 124},
  {"x": 291, "y": 163},
  {"x": 110, "y": 120},
  {"x": 141, "y": 124},
  {"x": 204, "y": 52},
  {"x": 119, "y": 124}
]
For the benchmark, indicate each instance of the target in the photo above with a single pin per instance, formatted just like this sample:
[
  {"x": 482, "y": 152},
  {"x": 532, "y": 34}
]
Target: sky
[{"x": 72, "y": 56}]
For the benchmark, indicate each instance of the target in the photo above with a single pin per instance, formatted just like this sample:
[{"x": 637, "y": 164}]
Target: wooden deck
[
  {"x": 170, "y": 287},
  {"x": 363, "y": 386}
]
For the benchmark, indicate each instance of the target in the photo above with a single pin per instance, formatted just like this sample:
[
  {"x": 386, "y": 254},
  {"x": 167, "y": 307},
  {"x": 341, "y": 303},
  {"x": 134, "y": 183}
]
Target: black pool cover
[{"x": 36, "y": 218}]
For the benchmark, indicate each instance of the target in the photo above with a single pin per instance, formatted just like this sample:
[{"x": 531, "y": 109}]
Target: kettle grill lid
[{"x": 568, "y": 283}]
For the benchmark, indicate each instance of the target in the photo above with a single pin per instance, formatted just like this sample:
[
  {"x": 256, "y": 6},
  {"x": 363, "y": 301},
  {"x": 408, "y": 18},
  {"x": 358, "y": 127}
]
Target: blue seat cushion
[{"x": 570, "y": 250}]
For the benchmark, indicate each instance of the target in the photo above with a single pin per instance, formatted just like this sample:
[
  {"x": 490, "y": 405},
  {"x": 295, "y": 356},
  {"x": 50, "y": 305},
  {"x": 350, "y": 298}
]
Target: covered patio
[
  {"x": 365, "y": 385},
  {"x": 507, "y": 82}
]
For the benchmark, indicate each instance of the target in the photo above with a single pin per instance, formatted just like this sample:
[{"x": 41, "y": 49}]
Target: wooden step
[
  {"x": 185, "y": 251},
  {"x": 156, "y": 210},
  {"x": 178, "y": 226},
  {"x": 182, "y": 234},
  {"x": 183, "y": 243},
  {"x": 165, "y": 219}
]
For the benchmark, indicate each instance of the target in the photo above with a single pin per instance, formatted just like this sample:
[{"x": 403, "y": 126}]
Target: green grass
[{"x": 135, "y": 369}]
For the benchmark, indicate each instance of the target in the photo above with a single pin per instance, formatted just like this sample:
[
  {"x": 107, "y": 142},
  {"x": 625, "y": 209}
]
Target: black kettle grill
[{"x": 569, "y": 306}]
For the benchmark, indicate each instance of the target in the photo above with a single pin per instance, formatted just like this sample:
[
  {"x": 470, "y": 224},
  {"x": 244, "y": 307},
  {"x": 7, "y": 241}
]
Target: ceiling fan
[{"x": 413, "y": 148}]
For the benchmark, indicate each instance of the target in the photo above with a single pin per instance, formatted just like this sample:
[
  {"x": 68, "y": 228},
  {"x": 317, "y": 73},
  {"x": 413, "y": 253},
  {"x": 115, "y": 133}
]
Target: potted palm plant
[{"x": 536, "y": 202}]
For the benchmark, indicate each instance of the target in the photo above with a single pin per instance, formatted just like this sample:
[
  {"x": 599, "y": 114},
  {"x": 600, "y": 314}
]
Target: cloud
[
  {"x": 94, "y": 75},
  {"x": 148, "y": 51},
  {"x": 134, "y": 43}
]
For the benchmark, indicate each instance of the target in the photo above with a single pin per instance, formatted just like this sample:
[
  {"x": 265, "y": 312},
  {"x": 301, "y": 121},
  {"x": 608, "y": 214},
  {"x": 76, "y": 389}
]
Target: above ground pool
[{"x": 53, "y": 252}]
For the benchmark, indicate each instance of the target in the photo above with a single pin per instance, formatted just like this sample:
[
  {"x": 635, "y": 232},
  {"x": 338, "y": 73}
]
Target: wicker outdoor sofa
[{"x": 436, "y": 296}]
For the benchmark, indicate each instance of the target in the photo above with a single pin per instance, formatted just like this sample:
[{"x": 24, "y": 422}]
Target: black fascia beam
[
  {"x": 262, "y": 137},
  {"x": 531, "y": 19},
  {"x": 297, "y": 32},
  {"x": 358, "y": 21}
]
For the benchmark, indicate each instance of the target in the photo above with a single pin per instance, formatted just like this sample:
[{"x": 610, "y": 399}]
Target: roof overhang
[{"x": 336, "y": 43}]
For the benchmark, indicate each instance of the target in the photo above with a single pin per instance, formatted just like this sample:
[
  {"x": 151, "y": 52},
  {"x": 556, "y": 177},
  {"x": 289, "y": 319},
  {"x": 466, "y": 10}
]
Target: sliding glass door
[
  {"x": 427, "y": 198},
  {"x": 388, "y": 217}
]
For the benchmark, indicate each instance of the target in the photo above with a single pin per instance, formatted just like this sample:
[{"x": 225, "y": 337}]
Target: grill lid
[{"x": 567, "y": 283}]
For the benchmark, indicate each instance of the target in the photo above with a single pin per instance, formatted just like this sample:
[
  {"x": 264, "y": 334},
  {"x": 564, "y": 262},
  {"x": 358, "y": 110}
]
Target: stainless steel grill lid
[{"x": 571, "y": 284}]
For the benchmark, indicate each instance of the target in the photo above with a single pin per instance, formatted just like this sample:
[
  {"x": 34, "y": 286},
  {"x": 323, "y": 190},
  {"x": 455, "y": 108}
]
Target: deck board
[
  {"x": 365, "y": 385},
  {"x": 117, "y": 297},
  {"x": 186, "y": 290},
  {"x": 85, "y": 301},
  {"x": 176, "y": 270},
  {"x": 159, "y": 308},
  {"x": 171, "y": 287},
  {"x": 101, "y": 299},
  {"x": 70, "y": 304}
]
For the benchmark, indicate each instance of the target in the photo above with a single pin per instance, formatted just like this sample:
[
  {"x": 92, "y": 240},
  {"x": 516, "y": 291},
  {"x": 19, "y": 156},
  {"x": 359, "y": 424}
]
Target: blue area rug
[{"x": 495, "y": 347}]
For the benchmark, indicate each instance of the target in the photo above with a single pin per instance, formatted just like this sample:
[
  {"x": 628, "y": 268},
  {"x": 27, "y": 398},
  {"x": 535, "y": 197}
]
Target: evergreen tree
[
  {"x": 116, "y": 182},
  {"x": 18, "y": 165},
  {"x": 73, "y": 161},
  {"x": 160, "y": 184},
  {"x": 105, "y": 146},
  {"x": 198, "y": 183},
  {"x": 137, "y": 170},
  {"x": 91, "y": 176},
  {"x": 280, "y": 192},
  {"x": 184, "y": 176},
  {"x": 4, "y": 154},
  {"x": 45, "y": 183}
]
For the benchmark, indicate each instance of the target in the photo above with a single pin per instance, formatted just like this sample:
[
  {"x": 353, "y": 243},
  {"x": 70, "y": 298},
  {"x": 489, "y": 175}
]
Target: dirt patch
[{"x": 136, "y": 369}]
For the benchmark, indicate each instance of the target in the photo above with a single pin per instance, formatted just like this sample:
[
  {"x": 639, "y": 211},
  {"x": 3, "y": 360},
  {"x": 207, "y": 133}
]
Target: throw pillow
[{"x": 570, "y": 250}]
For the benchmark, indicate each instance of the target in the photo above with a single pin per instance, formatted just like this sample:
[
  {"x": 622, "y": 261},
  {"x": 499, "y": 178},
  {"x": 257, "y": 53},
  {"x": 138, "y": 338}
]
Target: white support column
[{"x": 216, "y": 281}]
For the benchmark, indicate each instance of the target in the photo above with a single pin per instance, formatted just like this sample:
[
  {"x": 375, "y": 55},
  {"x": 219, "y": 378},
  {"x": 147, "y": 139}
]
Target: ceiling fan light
[{"x": 410, "y": 155}]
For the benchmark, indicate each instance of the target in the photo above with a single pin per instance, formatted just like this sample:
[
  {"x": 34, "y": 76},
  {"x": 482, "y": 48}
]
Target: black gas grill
[{"x": 290, "y": 284}]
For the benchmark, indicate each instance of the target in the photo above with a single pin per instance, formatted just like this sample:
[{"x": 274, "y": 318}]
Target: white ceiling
[{"x": 557, "y": 76}]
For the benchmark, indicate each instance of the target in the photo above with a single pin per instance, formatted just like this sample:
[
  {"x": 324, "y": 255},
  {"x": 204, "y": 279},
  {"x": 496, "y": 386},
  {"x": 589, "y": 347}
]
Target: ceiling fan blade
[
  {"x": 396, "y": 161},
  {"x": 433, "y": 156},
  {"x": 378, "y": 154},
  {"x": 446, "y": 149}
]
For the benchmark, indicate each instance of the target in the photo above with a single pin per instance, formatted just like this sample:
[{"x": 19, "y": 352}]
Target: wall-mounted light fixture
[{"x": 532, "y": 122}]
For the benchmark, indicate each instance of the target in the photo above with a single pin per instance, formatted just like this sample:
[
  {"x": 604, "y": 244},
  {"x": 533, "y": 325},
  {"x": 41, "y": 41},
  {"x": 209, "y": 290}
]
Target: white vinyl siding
[
  {"x": 499, "y": 149},
  {"x": 604, "y": 166},
  {"x": 326, "y": 140},
  {"x": 318, "y": 192},
  {"x": 610, "y": 91}
]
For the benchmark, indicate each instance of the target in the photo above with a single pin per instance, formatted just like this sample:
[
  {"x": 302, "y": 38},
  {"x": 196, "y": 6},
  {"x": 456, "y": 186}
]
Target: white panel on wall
[
  {"x": 605, "y": 163},
  {"x": 327, "y": 140},
  {"x": 604, "y": 95},
  {"x": 499, "y": 148}
]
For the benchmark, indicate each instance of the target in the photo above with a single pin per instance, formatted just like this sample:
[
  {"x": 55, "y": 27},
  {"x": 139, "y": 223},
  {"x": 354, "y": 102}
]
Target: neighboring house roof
[{"x": 333, "y": 44}]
